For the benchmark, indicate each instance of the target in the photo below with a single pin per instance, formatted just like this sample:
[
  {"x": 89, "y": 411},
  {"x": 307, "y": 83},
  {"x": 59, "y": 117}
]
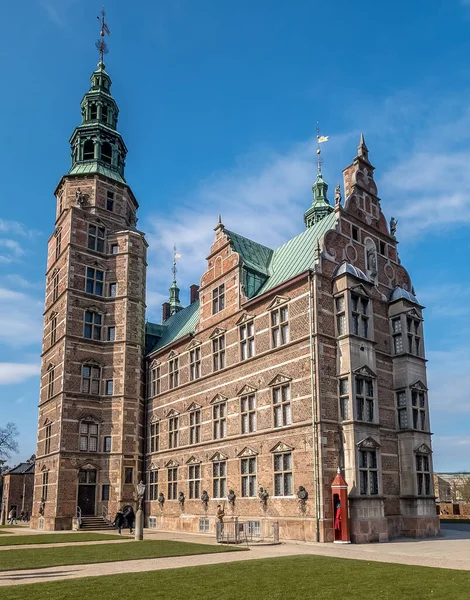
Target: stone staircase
[{"x": 95, "y": 524}]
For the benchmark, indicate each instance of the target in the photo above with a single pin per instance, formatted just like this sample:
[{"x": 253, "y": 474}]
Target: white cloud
[
  {"x": 17, "y": 372},
  {"x": 20, "y": 318},
  {"x": 16, "y": 228}
]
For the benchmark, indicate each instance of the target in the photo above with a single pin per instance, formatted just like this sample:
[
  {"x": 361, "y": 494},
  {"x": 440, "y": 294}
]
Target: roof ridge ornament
[{"x": 101, "y": 45}]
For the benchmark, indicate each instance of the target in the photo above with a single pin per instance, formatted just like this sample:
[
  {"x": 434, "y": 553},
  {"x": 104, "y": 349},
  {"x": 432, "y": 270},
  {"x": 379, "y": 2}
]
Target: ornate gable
[
  {"x": 172, "y": 463},
  {"x": 361, "y": 290},
  {"x": 193, "y": 461},
  {"x": 217, "y": 331},
  {"x": 217, "y": 457},
  {"x": 279, "y": 380},
  {"x": 153, "y": 467},
  {"x": 277, "y": 301},
  {"x": 91, "y": 361},
  {"x": 155, "y": 418},
  {"x": 247, "y": 452},
  {"x": 414, "y": 314},
  {"x": 172, "y": 413},
  {"x": 368, "y": 443},
  {"x": 423, "y": 449},
  {"x": 93, "y": 309},
  {"x": 47, "y": 422},
  {"x": 194, "y": 406},
  {"x": 89, "y": 418},
  {"x": 173, "y": 354},
  {"x": 282, "y": 447},
  {"x": 245, "y": 390},
  {"x": 245, "y": 318},
  {"x": 419, "y": 385},
  {"x": 218, "y": 398},
  {"x": 365, "y": 371},
  {"x": 88, "y": 466},
  {"x": 154, "y": 364}
]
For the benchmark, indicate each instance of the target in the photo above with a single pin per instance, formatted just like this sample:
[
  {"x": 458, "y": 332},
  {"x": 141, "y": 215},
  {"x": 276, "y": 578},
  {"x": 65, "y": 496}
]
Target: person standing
[
  {"x": 130, "y": 518},
  {"x": 12, "y": 516},
  {"x": 119, "y": 521}
]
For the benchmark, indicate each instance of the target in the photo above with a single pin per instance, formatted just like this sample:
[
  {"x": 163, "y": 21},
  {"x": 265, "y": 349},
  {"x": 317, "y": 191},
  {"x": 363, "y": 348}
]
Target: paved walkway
[{"x": 451, "y": 551}]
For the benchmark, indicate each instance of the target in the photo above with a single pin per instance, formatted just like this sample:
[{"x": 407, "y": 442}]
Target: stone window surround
[
  {"x": 354, "y": 289},
  {"x": 153, "y": 436},
  {"x": 402, "y": 331},
  {"x": 419, "y": 388},
  {"x": 154, "y": 379},
  {"x": 279, "y": 323},
  {"x": 246, "y": 337},
  {"x": 369, "y": 444},
  {"x": 194, "y": 424},
  {"x": 423, "y": 454}
]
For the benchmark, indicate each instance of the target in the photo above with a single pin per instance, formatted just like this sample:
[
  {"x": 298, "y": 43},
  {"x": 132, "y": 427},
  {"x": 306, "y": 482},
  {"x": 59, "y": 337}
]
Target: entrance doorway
[{"x": 87, "y": 492}]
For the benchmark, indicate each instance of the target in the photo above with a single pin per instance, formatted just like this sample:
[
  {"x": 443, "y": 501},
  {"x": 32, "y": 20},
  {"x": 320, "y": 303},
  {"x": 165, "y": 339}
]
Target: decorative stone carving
[
  {"x": 161, "y": 500},
  {"x": 80, "y": 198},
  {"x": 338, "y": 196},
  {"x": 231, "y": 497},
  {"x": 393, "y": 226},
  {"x": 263, "y": 497},
  {"x": 205, "y": 498}
]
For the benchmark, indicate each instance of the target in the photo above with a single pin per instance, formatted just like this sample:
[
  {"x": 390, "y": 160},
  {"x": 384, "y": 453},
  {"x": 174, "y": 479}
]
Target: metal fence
[{"x": 247, "y": 532}]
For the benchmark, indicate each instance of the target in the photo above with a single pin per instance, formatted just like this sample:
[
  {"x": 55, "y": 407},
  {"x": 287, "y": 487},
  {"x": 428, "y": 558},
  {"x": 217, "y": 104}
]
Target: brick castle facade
[{"x": 288, "y": 364}]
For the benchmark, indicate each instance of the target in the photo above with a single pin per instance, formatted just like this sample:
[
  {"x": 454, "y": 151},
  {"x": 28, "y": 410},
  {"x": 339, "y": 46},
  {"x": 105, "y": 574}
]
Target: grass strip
[
  {"x": 289, "y": 578},
  {"x": 33, "y": 558},
  {"x": 57, "y": 538}
]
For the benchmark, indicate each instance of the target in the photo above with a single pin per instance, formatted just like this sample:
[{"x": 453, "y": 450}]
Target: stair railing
[{"x": 79, "y": 516}]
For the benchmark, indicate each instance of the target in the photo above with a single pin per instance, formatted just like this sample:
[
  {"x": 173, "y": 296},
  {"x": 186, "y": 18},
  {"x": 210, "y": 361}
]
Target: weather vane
[
  {"x": 320, "y": 140},
  {"x": 101, "y": 42},
  {"x": 175, "y": 256}
]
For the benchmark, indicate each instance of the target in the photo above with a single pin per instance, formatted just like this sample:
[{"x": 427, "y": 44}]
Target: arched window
[
  {"x": 106, "y": 153},
  {"x": 93, "y": 111},
  {"x": 88, "y": 150},
  {"x": 104, "y": 113}
]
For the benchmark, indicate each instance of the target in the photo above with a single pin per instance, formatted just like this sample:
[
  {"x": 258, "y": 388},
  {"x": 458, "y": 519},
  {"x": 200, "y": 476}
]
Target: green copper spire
[
  {"x": 320, "y": 205},
  {"x": 174, "y": 301},
  {"x": 97, "y": 146}
]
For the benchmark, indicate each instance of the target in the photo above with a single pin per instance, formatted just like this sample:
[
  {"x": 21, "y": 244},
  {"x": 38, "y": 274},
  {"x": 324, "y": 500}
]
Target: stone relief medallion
[
  {"x": 351, "y": 253},
  {"x": 389, "y": 272},
  {"x": 368, "y": 219},
  {"x": 332, "y": 252}
]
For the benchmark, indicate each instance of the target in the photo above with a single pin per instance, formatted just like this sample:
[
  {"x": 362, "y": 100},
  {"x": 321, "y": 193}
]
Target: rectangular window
[
  {"x": 218, "y": 299},
  {"x": 112, "y": 290},
  {"x": 418, "y": 407},
  {"x": 247, "y": 340},
  {"x": 283, "y": 485},
  {"x": 218, "y": 351},
  {"x": 91, "y": 377},
  {"x": 173, "y": 483},
  {"x": 219, "y": 475},
  {"x": 359, "y": 315},
  {"x": 355, "y": 233},
  {"x": 48, "y": 435},
  {"x": 219, "y": 413},
  {"x": 114, "y": 248},
  {"x": 382, "y": 248},
  {"x": 55, "y": 286},
  {"x": 195, "y": 426},
  {"x": 107, "y": 443},
  {"x": 88, "y": 437},
  {"x": 96, "y": 236},
  {"x": 173, "y": 370},
  {"x": 94, "y": 281},
  {"x": 154, "y": 382},
  {"x": 195, "y": 363},
  {"x": 45, "y": 485},
  {"x": 110, "y": 201},
  {"x": 423, "y": 474},
  {"x": 194, "y": 481},
  {"x": 282, "y": 406},
  {"x": 402, "y": 410},
  {"x": 414, "y": 340},
  {"x": 280, "y": 326},
  {"x": 154, "y": 436},
  {"x": 369, "y": 484},
  {"x": 340, "y": 305},
  {"x": 364, "y": 399},
  {"x": 109, "y": 387},
  {"x": 344, "y": 399},
  {"x": 254, "y": 528},
  {"x": 248, "y": 474},
  {"x": 203, "y": 525},
  {"x": 173, "y": 432},
  {"x": 53, "y": 329},
  {"x": 61, "y": 203},
  {"x": 92, "y": 326},
  {"x": 58, "y": 240},
  {"x": 105, "y": 492},
  {"x": 248, "y": 413},
  {"x": 50, "y": 383},
  {"x": 111, "y": 334},
  {"x": 128, "y": 475},
  {"x": 153, "y": 485}
]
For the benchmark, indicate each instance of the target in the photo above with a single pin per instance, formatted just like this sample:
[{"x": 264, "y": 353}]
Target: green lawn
[
  {"x": 31, "y": 558},
  {"x": 290, "y": 578},
  {"x": 57, "y": 538}
]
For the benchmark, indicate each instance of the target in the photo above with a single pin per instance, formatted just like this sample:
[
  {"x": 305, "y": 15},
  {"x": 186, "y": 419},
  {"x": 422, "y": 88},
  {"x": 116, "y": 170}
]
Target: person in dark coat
[
  {"x": 119, "y": 521},
  {"x": 130, "y": 518}
]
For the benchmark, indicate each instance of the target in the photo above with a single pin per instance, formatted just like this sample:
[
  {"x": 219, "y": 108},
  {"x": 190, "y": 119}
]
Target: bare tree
[
  {"x": 464, "y": 489},
  {"x": 8, "y": 441}
]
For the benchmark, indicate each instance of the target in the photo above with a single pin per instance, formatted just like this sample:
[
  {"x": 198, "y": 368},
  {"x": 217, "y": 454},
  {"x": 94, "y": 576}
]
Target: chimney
[
  {"x": 193, "y": 293},
  {"x": 165, "y": 311}
]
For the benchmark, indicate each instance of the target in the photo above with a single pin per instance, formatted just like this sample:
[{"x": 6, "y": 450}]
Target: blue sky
[{"x": 219, "y": 103}]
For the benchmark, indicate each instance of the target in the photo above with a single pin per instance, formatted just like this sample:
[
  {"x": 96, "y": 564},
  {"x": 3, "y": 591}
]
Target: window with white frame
[
  {"x": 364, "y": 399},
  {"x": 195, "y": 363},
  {"x": 248, "y": 475},
  {"x": 88, "y": 437},
  {"x": 283, "y": 485},
  {"x": 96, "y": 236},
  {"x": 218, "y": 299},
  {"x": 402, "y": 409},
  {"x": 248, "y": 413},
  {"x": 53, "y": 321},
  {"x": 194, "y": 473},
  {"x": 154, "y": 382},
  {"x": 368, "y": 472},
  {"x": 109, "y": 195},
  {"x": 173, "y": 372},
  {"x": 92, "y": 325},
  {"x": 172, "y": 483},
  {"x": 219, "y": 415},
  {"x": 58, "y": 240},
  {"x": 94, "y": 281},
  {"x": 112, "y": 290},
  {"x": 280, "y": 326},
  {"x": 219, "y": 479},
  {"x": 418, "y": 409},
  {"x": 55, "y": 286},
  {"x": 44, "y": 486},
  {"x": 154, "y": 436},
  {"x": 423, "y": 474},
  {"x": 47, "y": 438},
  {"x": 50, "y": 381},
  {"x": 91, "y": 379},
  {"x": 340, "y": 305},
  {"x": 359, "y": 315},
  {"x": 153, "y": 485},
  {"x": 254, "y": 528},
  {"x": 344, "y": 399},
  {"x": 397, "y": 335},
  {"x": 111, "y": 333},
  {"x": 414, "y": 339},
  {"x": 173, "y": 433},
  {"x": 218, "y": 352},
  {"x": 109, "y": 388},
  {"x": 107, "y": 440},
  {"x": 105, "y": 490},
  {"x": 247, "y": 340},
  {"x": 282, "y": 405},
  {"x": 195, "y": 426},
  {"x": 203, "y": 525},
  {"x": 152, "y": 522}
]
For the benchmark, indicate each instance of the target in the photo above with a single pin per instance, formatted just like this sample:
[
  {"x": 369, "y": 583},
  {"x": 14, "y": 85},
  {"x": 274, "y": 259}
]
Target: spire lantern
[
  {"x": 320, "y": 205},
  {"x": 174, "y": 301}
]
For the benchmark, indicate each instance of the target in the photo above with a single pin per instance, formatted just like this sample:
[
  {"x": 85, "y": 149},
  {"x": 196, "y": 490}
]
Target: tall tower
[{"x": 90, "y": 428}]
